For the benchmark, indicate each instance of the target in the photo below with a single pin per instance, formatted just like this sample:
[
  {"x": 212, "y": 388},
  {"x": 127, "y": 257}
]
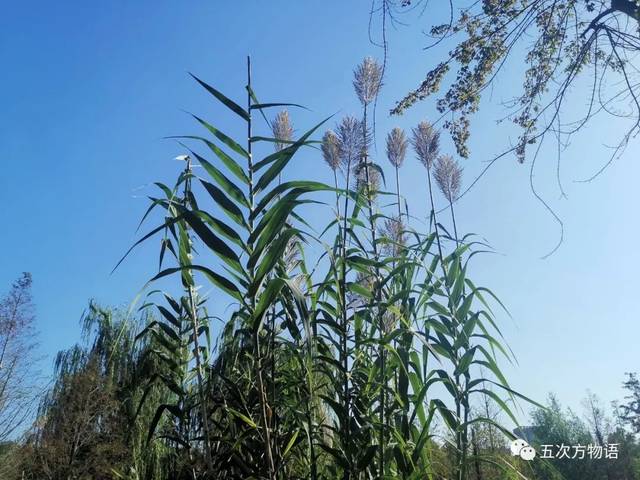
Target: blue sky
[{"x": 89, "y": 90}]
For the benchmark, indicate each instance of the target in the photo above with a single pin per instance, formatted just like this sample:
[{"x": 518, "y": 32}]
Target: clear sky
[{"x": 89, "y": 89}]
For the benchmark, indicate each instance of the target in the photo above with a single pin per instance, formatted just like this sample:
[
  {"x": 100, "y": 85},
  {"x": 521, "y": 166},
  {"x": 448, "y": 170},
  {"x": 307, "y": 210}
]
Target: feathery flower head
[
  {"x": 331, "y": 149},
  {"x": 389, "y": 321},
  {"x": 282, "y": 130},
  {"x": 394, "y": 231},
  {"x": 448, "y": 175},
  {"x": 351, "y": 141},
  {"x": 365, "y": 280},
  {"x": 426, "y": 143},
  {"x": 367, "y": 80},
  {"x": 361, "y": 180},
  {"x": 396, "y": 147}
]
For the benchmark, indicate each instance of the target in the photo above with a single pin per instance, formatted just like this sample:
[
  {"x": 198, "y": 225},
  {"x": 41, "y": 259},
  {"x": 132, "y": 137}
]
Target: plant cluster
[
  {"x": 354, "y": 349},
  {"x": 354, "y": 362}
]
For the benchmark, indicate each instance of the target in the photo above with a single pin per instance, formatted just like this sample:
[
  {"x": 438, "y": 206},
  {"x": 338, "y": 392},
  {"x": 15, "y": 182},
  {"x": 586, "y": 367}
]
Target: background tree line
[{"x": 87, "y": 425}]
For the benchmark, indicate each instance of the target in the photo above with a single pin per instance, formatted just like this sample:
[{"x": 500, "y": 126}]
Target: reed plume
[
  {"x": 396, "y": 147},
  {"x": 282, "y": 130},
  {"x": 394, "y": 231},
  {"x": 448, "y": 176},
  {"x": 396, "y": 152},
  {"x": 331, "y": 149},
  {"x": 426, "y": 143},
  {"x": 331, "y": 154},
  {"x": 367, "y": 80},
  {"x": 351, "y": 142},
  {"x": 367, "y": 181},
  {"x": 351, "y": 145}
]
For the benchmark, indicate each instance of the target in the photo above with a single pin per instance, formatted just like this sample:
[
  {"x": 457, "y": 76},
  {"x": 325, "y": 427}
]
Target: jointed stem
[
  {"x": 262, "y": 394},
  {"x": 344, "y": 354},
  {"x": 461, "y": 441},
  {"x": 377, "y": 298},
  {"x": 193, "y": 314}
]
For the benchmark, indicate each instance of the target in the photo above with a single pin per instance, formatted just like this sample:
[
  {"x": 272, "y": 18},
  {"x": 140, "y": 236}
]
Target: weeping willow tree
[
  {"x": 352, "y": 349},
  {"x": 87, "y": 426}
]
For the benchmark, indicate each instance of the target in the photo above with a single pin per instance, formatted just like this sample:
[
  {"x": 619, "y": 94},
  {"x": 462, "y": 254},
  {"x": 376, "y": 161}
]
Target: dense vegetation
[
  {"x": 356, "y": 349},
  {"x": 91, "y": 432}
]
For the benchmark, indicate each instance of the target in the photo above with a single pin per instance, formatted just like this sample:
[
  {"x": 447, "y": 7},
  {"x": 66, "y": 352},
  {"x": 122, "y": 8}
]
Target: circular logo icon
[
  {"x": 520, "y": 448},
  {"x": 528, "y": 453}
]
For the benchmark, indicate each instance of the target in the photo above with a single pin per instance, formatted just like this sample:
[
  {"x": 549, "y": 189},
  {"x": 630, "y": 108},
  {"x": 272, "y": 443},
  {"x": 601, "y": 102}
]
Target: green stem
[
  {"x": 335, "y": 183},
  {"x": 196, "y": 342},
  {"x": 460, "y": 444},
  {"x": 453, "y": 220},
  {"x": 398, "y": 193},
  {"x": 262, "y": 394},
  {"x": 346, "y": 427},
  {"x": 377, "y": 298}
]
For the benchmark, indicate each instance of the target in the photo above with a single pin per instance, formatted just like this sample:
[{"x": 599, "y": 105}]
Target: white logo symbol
[{"x": 520, "y": 448}]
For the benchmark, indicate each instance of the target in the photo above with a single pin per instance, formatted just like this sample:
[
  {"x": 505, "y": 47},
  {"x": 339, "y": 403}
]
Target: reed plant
[{"x": 342, "y": 346}]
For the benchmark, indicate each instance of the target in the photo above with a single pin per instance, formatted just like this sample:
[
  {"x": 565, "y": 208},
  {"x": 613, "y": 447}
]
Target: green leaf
[
  {"x": 164, "y": 327},
  {"x": 262, "y": 106},
  {"x": 241, "y": 416},
  {"x": 227, "y": 185},
  {"x": 228, "y": 141},
  {"x": 290, "y": 443},
  {"x": 465, "y": 361},
  {"x": 175, "y": 411},
  {"x": 278, "y": 245},
  {"x": 221, "y": 228},
  {"x": 446, "y": 414},
  {"x": 275, "y": 218},
  {"x": 211, "y": 240},
  {"x": 213, "y": 277},
  {"x": 225, "y": 203},
  {"x": 168, "y": 316},
  {"x": 228, "y": 162},
  {"x": 266, "y": 301},
  {"x": 505, "y": 408},
  {"x": 234, "y": 107},
  {"x": 300, "y": 187},
  {"x": 366, "y": 459},
  {"x": 281, "y": 159},
  {"x": 169, "y": 222},
  {"x": 519, "y": 395},
  {"x": 360, "y": 290}
]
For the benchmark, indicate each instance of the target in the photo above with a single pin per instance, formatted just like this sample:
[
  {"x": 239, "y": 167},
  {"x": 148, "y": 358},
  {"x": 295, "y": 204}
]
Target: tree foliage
[
  {"x": 17, "y": 362},
  {"x": 564, "y": 43},
  {"x": 88, "y": 424}
]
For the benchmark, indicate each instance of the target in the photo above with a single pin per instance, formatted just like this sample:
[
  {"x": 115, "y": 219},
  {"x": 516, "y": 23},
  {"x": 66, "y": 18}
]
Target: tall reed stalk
[
  {"x": 426, "y": 142},
  {"x": 264, "y": 403},
  {"x": 367, "y": 82},
  {"x": 350, "y": 147},
  {"x": 194, "y": 317}
]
